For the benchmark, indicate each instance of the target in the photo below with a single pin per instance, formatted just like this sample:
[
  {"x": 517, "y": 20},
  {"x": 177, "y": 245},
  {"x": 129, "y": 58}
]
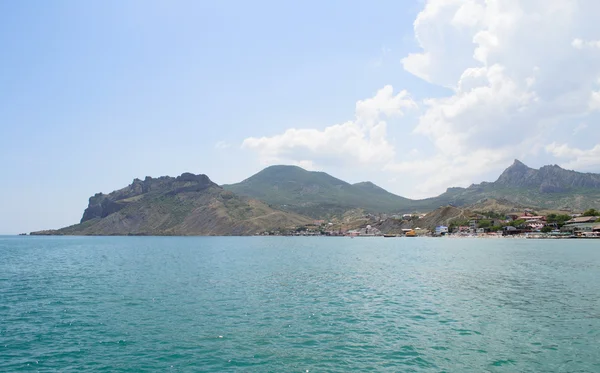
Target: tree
[
  {"x": 484, "y": 224},
  {"x": 559, "y": 220},
  {"x": 591, "y": 212},
  {"x": 458, "y": 223},
  {"x": 517, "y": 223},
  {"x": 490, "y": 214},
  {"x": 546, "y": 229}
]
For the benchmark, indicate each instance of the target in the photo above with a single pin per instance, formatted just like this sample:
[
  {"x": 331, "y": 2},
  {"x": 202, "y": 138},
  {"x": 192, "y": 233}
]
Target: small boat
[
  {"x": 411, "y": 233},
  {"x": 389, "y": 235}
]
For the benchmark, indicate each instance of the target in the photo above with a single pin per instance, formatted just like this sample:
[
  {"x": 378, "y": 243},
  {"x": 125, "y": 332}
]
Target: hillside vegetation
[
  {"x": 550, "y": 188},
  {"x": 283, "y": 197},
  {"x": 186, "y": 205},
  {"x": 321, "y": 195},
  {"x": 315, "y": 194}
]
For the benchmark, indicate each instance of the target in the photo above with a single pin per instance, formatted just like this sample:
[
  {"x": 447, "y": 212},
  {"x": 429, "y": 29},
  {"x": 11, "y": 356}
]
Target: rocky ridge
[{"x": 185, "y": 205}]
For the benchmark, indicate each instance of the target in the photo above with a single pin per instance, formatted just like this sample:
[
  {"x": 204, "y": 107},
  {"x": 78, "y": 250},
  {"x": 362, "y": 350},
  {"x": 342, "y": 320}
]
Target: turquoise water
[{"x": 283, "y": 304}]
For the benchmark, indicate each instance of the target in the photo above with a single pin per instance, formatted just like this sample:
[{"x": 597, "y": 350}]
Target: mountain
[
  {"x": 318, "y": 194},
  {"x": 315, "y": 194},
  {"x": 185, "y": 205},
  {"x": 286, "y": 196},
  {"x": 548, "y": 179},
  {"x": 550, "y": 187}
]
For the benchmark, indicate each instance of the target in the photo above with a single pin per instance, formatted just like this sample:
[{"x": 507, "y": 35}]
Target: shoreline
[{"x": 449, "y": 236}]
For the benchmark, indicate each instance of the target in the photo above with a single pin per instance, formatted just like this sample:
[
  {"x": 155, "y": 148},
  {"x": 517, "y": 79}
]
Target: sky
[{"x": 414, "y": 95}]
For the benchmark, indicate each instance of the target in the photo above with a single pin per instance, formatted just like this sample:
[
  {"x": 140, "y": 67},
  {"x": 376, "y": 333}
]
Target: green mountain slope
[
  {"x": 549, "y": 187},
  {"x": 315, "y": 194},
  {"x": 318, "y": 194},
  {"x": 286, "y": 196},
  {"x": 186, "y": 205}
]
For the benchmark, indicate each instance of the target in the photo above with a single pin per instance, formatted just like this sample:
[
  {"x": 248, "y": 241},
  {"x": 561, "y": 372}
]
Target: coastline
[{"x": 448, "y": 236}]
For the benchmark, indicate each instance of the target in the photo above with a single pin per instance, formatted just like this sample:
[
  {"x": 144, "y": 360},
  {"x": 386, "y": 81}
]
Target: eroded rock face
[
  {"x": 94, "y": 209},
  {"x": 200, "y": 179},
  {"x": 185, "y": 205},
  {"x": 549, "y": 187},
  {"x": 518, "y": 175},
  {"x": 548, "y": 179},
  {"x": 101, "y": 205}
]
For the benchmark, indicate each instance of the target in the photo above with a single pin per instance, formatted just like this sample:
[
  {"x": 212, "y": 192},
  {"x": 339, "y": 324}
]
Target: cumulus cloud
[
  {"x": 362, "y": 140},
  {"x": 575, "y": 158},
  {"x": 516, "y": 81},
  {"x": 523, "y": 76}
]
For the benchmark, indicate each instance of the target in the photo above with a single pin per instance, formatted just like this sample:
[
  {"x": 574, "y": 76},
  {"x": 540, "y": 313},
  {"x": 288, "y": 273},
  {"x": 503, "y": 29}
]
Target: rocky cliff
[
  {"x": 548, "y": 179},
  {"x": 102, "y": 205},
  {"x": 185, "y": 205},
  {"x": 548, "y": 187},
  {"x": 281, "y": 197}
]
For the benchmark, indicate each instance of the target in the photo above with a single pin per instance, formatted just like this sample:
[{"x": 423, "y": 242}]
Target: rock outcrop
[
  {"x": 185, "y": 205},
  {"x": 548, "y": 179},
  {"x": 282, "y": 197},
  {"x": 548, "y": 187},
  {"x": 102, "y": 205}
]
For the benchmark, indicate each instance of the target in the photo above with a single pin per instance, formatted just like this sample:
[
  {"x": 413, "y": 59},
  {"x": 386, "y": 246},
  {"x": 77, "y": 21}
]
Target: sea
[{"x": 298, "y": 304}]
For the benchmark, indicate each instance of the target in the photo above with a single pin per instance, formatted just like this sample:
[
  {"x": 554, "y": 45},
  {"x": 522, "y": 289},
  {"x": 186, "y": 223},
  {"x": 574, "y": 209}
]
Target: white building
[{"x": 440, "y": 230}]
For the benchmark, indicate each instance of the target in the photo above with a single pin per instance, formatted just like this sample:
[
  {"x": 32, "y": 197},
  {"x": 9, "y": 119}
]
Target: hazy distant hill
[
  {"x": 315, "y": 194},
  {"x": 186, "y": 205},
  {"x": 550, "y": 187}
]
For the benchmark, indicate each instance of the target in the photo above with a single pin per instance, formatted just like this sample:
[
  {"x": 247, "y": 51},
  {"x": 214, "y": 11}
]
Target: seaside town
[{"x": 527, "y": 224}]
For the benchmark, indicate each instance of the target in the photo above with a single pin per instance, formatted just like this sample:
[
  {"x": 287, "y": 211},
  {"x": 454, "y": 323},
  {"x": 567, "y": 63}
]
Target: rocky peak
[
  {"x": 548, "y": 179},
  {"x": 189, "y": 177},
  {"x": 102, "y": 205},
  {"x": 518, "y": 166},
  {"x": 518, "y": 174}
]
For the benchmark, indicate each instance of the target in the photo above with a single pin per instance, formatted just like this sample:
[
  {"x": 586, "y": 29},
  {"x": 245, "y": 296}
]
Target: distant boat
[
  {"x": 389, "y": 235},
  {"x": 411, "y": 233}
]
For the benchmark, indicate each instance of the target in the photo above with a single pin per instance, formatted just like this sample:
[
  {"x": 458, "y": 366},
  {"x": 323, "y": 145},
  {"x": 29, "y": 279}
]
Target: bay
[{"x": 294, "y": 304}]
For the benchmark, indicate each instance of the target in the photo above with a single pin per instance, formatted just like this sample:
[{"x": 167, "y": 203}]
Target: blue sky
[{"x": 95, "y": 94}]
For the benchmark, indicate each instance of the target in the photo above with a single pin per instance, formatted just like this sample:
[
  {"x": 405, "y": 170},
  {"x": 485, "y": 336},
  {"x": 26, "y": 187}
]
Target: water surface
[{"x": 284, "y": 304}]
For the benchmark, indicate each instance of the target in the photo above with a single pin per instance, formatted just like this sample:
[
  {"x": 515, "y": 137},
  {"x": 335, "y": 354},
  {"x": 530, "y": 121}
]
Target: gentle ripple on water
[{"x": 281, "y": 304}]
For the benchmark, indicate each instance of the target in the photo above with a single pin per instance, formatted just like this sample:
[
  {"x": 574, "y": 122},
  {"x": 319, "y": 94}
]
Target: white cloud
[
  {"x": 362, "y": 140},
  {"x": 575, "y": 158},
  {"x": 449, "y": 171},
  {"x": 222, "y": 145},
  {"x": 517, "y": 82},
  {"x": 581, "y": 44},
  {"x": 307, "y": 165},
  {"x": 595, "y": 100},
  {"x": 522, "y": 74}
]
